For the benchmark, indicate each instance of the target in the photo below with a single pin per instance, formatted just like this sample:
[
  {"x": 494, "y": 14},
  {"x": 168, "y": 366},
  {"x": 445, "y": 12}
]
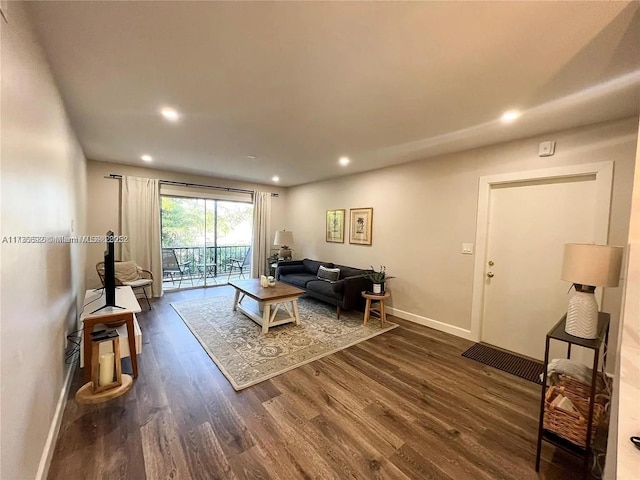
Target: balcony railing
[{"x": 215, "y": 261}]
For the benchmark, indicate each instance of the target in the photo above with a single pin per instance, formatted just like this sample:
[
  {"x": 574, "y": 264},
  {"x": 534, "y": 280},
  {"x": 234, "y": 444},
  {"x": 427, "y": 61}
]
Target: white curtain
[
  {"x": 141, "y": 225},
  {"x": 261, "y": 239}
]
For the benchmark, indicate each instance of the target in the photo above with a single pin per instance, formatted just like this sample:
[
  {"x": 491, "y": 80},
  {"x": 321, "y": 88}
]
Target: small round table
[{"x": 368, "y": 310}]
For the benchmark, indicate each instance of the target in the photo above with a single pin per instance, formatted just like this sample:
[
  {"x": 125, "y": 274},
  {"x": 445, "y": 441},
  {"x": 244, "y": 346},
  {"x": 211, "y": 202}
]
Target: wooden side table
[
  {"x": 380, "y": 311},
  {"x": 109, "y": 316},
  {"x": 112, "y": 320}
]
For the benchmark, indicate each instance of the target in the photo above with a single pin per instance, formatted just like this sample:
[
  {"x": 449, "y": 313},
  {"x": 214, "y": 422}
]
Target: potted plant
[{"x": 377, "y": 277}]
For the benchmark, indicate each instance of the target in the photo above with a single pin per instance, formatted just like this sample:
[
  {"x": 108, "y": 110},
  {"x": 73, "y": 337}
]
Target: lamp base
[
  {"x": 582, "y": 315},
  {"x": 284, "y": 253}
]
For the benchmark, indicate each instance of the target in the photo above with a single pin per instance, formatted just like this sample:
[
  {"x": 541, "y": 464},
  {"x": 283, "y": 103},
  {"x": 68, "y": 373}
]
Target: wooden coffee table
[{"x": 276, "y": 305}]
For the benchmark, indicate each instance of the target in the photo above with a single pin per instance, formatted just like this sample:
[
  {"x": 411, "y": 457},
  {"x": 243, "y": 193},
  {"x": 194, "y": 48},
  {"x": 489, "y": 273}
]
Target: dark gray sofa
[{"x": 343, "y": 293}]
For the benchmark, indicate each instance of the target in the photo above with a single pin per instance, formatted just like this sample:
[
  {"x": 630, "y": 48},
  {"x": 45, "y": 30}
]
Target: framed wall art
[
  {"x": 335, "y": 226},
  {"x": 360, "y": 227}
]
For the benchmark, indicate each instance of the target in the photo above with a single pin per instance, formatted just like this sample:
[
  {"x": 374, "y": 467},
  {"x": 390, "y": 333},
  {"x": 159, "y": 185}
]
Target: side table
[
  {"x": 597, "y": 344},
  {"x": 380, "y": 311},
  {"x": 125, "y": 315}
]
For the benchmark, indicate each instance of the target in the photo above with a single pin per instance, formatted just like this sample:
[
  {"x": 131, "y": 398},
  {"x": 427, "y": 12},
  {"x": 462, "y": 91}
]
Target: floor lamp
[{"x": 588, "y": 266}]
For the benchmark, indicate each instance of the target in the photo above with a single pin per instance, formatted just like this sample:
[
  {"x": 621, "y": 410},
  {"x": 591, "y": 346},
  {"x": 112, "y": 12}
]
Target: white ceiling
[{"x": 299, "y": 84}]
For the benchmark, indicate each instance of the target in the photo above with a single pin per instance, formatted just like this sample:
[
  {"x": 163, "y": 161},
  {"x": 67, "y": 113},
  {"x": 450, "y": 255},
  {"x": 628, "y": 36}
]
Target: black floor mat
[{"x": 507, "y": 362}]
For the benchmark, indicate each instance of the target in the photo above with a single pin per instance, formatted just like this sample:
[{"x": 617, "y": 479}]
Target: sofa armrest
[
  {"x": 338, "y": 286},
  {"x": 353, "y": 288},
  {"x": 287, "y": 268}
]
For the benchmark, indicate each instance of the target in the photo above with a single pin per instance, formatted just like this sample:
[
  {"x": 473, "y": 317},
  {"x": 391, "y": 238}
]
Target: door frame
[{"x": 603, "y": 172}]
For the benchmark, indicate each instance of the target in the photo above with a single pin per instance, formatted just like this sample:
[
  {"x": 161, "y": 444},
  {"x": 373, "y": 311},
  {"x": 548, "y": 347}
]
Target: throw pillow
[
  {"x": 127, "y": 271},
  {"x": 328, "y": 274}
]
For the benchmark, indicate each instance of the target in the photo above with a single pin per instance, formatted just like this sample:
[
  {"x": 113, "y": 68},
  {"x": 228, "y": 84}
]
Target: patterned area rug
[{"x": 246, "y": 356}]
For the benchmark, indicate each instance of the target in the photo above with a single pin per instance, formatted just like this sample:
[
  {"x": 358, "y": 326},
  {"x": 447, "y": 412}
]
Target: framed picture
[
  {"x": 360, "y": 226},
  {"x": 335, "y": 226}
]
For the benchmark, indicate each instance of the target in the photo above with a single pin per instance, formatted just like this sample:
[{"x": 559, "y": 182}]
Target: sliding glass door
[{"x": 203, "y": 240}]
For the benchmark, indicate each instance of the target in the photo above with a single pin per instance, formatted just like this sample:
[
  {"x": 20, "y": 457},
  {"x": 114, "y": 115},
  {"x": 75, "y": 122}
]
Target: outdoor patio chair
[
  {"x": 129, "y": 274},
  {"x": 240, "y": 264},
  {"x": 171, "y": 266}
]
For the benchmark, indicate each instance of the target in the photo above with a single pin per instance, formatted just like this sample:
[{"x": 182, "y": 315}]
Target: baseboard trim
[
  {"x": 429, "y": 322},
  {"x": 56, "y": 422}
]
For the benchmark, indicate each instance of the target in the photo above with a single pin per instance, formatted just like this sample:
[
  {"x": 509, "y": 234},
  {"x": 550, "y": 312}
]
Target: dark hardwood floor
[{"x": 403, "y": 405}]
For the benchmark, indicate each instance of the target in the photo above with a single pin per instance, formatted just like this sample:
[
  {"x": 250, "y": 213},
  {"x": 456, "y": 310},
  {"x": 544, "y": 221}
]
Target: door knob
[
  {"x": 490, "y": 274},
  {"x": 491, "y": 264}
]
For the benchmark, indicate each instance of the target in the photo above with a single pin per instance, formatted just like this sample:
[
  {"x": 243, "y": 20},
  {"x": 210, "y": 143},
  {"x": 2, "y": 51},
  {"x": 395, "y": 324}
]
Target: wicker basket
[{"x": 569, "y": 425}]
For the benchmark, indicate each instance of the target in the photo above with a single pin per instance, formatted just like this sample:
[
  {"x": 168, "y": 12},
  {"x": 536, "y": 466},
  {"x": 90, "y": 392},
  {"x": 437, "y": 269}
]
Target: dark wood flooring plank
[
  {"x": 371, "y": 462},
  {"x": 229, "y": 426},
  {"x": 333, "y": 463},
  {"x": 345, "y": 407},
  {"x": 163, "y": 453},
  {"x": 416, "y": 466},
  {"x": 292, "y": 458},
  {"x": 250, "y": 465},
  {"x": 205, "y": 457}
]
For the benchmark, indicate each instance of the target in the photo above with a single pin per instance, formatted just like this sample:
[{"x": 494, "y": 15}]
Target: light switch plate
[{"x": 467, "y": 248}]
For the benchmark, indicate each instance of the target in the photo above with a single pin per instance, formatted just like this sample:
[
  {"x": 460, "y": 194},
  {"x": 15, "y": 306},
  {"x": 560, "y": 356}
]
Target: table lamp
[
  {"x": 588, "y": 266},
  {"x": 284, "y": 239}
]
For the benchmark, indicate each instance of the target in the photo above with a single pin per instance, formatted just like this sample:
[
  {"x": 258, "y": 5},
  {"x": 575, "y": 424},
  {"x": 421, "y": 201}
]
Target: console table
[{"x": 111, "y": 317}]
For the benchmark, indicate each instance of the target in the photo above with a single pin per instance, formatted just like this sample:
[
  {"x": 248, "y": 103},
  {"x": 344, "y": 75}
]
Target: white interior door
[{"x": 528, "y": 225}]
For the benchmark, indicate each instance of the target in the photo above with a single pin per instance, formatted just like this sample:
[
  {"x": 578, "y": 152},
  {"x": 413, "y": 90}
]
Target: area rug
[
  {"x": 246, "y": 356},
  {"x": 507, "y": 362}
]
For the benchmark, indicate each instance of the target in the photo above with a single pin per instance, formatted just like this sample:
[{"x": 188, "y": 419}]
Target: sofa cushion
[
  {"x": 323, "y": 288},
  {"x": 298, "y": 279},
  {"x": 350, "y": 271},
  {"x": 312, "y": 266},
  {"x": 289, "y": 268},
  {"x": 328, "y": 274}
]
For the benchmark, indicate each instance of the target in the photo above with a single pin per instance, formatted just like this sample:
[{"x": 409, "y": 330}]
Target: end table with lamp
[{"x": 284, "y": 239}]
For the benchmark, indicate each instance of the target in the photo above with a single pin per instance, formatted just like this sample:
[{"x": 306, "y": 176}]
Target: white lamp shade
[
  {"x": 283, "y": 237},
  {"x": 594, "y": 265}
]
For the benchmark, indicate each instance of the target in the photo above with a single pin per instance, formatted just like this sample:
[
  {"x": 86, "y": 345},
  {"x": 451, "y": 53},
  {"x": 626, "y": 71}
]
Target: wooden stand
[
  {"x": 95, "y": 391},
  {"x": 380, "y": 311},
  {"x": 111, "y": 317},
  {"x": 109, "y": 320},
  {"x": 116, "y": 379},
  {"x": 85, "y": 393}
]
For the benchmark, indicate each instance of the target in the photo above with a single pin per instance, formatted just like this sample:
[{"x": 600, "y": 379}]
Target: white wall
[
  {"x": 622, "y": 456},
  {"x": 43, "y": 192},
  {"x": 425, "y": 210},
  {"x": 104, "y": 202}
]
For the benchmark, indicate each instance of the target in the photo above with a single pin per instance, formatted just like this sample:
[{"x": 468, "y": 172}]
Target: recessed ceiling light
[
  {"x": 252, "y": 157},
  {"x": 146, "y": 158},
  {"x": 275, "y": 178},
  {"x": 344, "y": 161},
  {"x": 170, "y": 114},
  {"x": 510, "y": 115}
]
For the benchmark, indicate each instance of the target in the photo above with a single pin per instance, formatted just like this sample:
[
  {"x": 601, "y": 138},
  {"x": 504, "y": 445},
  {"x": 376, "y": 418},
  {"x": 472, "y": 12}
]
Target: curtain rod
[{"x": 186, "y": 184}]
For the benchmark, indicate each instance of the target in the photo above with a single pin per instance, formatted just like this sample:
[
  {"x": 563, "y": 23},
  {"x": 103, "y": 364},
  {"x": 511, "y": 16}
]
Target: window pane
[{"x": 182, "y": 222}]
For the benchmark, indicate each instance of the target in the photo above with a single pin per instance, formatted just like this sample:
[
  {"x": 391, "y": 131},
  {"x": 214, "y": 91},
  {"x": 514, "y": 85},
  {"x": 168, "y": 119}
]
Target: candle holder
[{"x": 106, "y": 369}]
